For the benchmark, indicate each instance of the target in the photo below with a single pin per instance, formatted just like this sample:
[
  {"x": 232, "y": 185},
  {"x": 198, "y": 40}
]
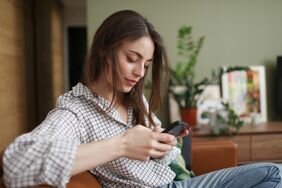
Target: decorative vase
[{"x": 189, "y": 115}]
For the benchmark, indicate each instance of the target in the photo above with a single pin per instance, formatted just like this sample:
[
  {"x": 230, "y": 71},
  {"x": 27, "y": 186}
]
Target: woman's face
[{"x": 133, "y": 59}]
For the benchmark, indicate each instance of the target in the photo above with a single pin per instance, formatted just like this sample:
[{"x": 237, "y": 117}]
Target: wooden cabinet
[
  {"x": 255, "y": 143},
  {"x": 266, "y": 147}
]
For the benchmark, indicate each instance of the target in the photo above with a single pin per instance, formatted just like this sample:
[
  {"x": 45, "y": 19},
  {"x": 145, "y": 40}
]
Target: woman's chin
[{"x": 127, "y": 89}]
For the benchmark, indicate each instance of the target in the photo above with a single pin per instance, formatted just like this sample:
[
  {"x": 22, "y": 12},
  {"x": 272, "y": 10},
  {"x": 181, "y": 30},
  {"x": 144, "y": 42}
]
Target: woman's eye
[{"x": 131, "y": 60}]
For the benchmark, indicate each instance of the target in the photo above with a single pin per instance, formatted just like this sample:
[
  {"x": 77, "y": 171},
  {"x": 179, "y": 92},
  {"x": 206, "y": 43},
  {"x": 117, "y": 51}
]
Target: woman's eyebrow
[{"x": 139, "y": 55}]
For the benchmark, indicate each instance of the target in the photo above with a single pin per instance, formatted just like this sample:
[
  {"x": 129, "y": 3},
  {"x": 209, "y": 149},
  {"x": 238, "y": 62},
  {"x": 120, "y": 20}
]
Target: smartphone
[{"x": 176, "y": 128}]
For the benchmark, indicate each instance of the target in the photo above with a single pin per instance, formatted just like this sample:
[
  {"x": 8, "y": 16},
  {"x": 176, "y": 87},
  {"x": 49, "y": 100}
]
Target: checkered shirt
[{"x": 46, "y": 155}]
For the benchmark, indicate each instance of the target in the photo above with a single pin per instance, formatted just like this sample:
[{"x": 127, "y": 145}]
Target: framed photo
[
  {"x": 246, "y": 93},
  {"x": 208, "y": 100}
]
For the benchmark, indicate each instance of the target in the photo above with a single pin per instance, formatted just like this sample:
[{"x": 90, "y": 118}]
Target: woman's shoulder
[{"x": 76, "y": 98}]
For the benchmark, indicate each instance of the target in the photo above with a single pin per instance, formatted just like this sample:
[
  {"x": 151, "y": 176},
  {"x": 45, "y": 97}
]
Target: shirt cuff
[{"x": 167, "y": 158}]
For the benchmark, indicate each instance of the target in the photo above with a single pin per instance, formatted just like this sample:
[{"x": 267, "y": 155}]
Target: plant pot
[{"x": 189, "y": 115}]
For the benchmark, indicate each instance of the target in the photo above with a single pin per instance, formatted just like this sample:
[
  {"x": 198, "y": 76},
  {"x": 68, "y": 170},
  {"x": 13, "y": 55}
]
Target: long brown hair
[{"x": 127, "y": 25}]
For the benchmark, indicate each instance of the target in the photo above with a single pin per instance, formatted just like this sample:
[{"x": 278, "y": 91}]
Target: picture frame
[{"x": 245, "y": 90}]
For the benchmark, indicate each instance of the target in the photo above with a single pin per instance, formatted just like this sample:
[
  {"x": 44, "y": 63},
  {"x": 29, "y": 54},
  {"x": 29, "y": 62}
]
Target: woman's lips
[{"x": 130, "y": 82}]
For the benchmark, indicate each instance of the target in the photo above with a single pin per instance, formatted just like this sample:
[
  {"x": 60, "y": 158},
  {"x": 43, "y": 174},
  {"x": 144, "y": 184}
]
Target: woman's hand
[
  {"x": 142, "y": 143},
  {"x": 174, "y": 142},
  {"x": 184, "y": 133},
  {"x": 159, "y": 130}
]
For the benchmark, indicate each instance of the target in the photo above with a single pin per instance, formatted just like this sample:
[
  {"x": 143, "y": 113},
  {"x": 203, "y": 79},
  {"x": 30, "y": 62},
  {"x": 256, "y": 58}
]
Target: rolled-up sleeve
[
  {"x": 45, "y": 155},
  {"x": 169, "y": 157}
]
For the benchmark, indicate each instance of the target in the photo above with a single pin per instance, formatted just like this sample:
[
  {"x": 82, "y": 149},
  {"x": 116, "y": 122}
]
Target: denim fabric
[{"x": 258, "y": 175}]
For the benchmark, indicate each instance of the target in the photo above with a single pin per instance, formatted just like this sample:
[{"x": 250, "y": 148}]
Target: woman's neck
[{"x": 105, "y": 90}]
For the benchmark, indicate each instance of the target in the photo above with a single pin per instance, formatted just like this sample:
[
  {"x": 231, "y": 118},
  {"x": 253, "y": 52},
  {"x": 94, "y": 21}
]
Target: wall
[
  {"x": 31, "y": 64},
  {"x": 12, "y": 71},
  {"x": 49, "y": 50},
  {"x": 57, "y": 51},
  {"x": 237, "y": 32}
]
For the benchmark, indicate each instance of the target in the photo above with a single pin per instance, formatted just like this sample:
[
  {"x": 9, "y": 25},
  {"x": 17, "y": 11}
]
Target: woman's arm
[
  {"x": 52, "y": 152},
  {"x": 96, "y": 153},
  {"x": 138, "y": 143},
  {"x": 45, "y": 155}
]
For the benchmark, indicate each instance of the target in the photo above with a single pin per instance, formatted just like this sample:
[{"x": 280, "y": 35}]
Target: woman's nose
[{"x": 139, "y": 70}]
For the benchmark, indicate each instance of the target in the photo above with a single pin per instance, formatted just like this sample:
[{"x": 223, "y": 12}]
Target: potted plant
[
  {"x": 223, "y": 121},
  {"x": 183, "y": 86}
]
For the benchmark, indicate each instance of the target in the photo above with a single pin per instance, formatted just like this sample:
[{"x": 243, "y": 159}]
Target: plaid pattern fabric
[{"x": 46, "y": 154}]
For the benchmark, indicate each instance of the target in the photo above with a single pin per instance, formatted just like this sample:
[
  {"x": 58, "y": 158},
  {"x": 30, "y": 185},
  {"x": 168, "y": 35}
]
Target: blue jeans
[{"x": 259, "y": 175}]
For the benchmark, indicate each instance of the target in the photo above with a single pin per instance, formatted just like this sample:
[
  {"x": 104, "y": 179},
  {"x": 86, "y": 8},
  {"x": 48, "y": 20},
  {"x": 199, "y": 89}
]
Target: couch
[{"x": 206, "y": 157}]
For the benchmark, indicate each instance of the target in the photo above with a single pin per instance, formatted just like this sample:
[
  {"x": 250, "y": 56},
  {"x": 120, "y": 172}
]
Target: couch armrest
[
  {"x": 209, "y": 156},
  {"x": 83, "y": 180}
]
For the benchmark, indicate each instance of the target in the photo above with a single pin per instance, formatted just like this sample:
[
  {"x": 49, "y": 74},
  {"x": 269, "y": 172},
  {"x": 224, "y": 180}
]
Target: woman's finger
[
  {"x": 157, "y": 154},
  {"x": 162, "y": 147},
  {"x": 157, "y": 129},
  {"x": 184, "y": 133}
]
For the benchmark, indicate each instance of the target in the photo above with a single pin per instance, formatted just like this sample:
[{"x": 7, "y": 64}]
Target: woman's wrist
[{"x": 118, "y": 144}]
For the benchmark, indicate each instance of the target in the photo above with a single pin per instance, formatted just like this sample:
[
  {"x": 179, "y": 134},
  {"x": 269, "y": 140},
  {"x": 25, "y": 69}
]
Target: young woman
[{"x": 106, "y": 126}]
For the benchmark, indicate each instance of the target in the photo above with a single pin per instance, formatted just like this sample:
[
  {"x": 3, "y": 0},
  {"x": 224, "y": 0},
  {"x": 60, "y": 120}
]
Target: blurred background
[{"x": 43, "y": 44}]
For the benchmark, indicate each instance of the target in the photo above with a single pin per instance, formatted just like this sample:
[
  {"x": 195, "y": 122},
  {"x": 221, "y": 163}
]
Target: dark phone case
[{"x": 176, "y": 128}]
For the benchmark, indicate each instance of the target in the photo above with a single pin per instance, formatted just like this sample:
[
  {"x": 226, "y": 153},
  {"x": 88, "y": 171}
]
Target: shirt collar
[
  {"x": 82, "y": 90},
  {"x": 102, "y": 104}
]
